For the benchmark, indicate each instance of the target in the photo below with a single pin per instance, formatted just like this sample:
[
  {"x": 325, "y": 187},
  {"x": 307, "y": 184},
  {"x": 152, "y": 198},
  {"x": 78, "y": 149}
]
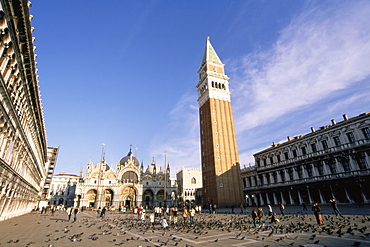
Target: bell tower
[{"x": 219, "y": 152}]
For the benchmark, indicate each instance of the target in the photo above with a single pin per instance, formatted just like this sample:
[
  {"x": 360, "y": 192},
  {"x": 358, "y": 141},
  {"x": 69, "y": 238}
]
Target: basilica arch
[
  {"x": 160, "y": 198},
  {"x": 91, "y": 197},
  {"x": 128, "y": 196},
  {"x": 108, "y": 197},
  {"x": 148, "y": 198}
]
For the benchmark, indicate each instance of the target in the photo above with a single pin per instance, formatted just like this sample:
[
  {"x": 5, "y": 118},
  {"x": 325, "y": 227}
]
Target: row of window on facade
[
  {"x": 324, "y": 146},
  {"x": 310, "y": 170}
]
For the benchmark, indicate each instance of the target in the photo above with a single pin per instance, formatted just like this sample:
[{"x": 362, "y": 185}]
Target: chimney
[
  {"x": 333, "y": 122},
  {"x": 345, "y": 117},
  {"x": 274, "y": 144},
  {"x": 289, "y": 138},
  {"x": 312, "y": 129}
]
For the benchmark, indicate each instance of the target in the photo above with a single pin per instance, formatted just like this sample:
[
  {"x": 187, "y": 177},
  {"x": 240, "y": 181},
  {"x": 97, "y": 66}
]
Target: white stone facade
[
  {"x": 189, "y": 181},
  {"x": 23, "y": 147},
  {"x": 128, "y": 186},
  {"x": 330, "y": 163}
]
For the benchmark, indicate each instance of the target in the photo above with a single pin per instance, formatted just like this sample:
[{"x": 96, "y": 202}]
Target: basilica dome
[{"x": 129, "y": 159}]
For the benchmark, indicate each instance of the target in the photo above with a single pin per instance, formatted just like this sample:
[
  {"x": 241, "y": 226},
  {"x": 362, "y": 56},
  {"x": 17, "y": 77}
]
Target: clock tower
[{"x": 219, "y": 152}]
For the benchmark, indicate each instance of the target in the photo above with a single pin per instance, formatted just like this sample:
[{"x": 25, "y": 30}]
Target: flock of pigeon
[{"x": 208, "y": 230}]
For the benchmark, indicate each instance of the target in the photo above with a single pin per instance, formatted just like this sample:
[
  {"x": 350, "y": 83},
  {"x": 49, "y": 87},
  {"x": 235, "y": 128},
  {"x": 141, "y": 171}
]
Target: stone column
[
  {"x": 268, "y": 198},
  {"x": 295, "y": 174},
  {"x": 309, "y": 195},
  {"x": 264, "y": 179},
  {"x": 275, "y": 199},
  {"x": 300, "y": 197},
  {"x": 282, "y": 198},
  {"x": 322, "y": 200},
  {"x": 352, "y": 165},
  {"x": 339, "y": 165},
  {"x": 272, "y": 180},
  {"x": 261, "y": 199},
  {"x": 314, "y": 172},
  {"x": 286, "y": 175},
  {"x": 347, "y": 196},
  {"x": 278, "y": 176},
  {"x": 291, "y": 198},
  {"x": 325, "y": 168}
]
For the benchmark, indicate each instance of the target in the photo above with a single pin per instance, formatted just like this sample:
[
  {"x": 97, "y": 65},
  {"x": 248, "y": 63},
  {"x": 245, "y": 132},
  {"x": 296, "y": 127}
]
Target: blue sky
[{"x": 124, "y": 72}]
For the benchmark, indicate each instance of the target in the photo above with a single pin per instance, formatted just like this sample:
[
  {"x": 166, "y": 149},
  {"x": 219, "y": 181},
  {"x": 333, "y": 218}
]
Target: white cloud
[
  {"x": 181, "y": 138},
  {"x": 320, "y": 52}
]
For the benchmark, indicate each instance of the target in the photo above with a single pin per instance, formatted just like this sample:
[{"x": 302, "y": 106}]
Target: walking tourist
[
  {"x": 69, "y": 212},
  {"x": 75, "y": 212},
  {"x": 317, "y": 212},
  {"x": 260, "y": 215},
  {"x": 334, "y": 206},
  {"x": 254, "y": 217},
  {"x": 282, "y": 207}
]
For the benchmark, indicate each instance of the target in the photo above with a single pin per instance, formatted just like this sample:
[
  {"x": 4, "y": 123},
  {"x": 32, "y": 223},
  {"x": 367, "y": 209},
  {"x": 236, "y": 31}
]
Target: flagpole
[
  {"x": 165, "y": 180},
  {"x": 99, "y": 192}
]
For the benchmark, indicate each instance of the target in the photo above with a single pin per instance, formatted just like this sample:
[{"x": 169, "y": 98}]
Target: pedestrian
[
  {"x": 175, "y": 210},
  {"x": 254, "y": 217},
  {"x": 164, "y": 223},
  {"x": 184, "y": 214},
  {"x": 192, "y": 214},
  {"x": 269, "y": 208},
  {"x": 103, "y": 211},
  {"x": 260, "y": 215},
  {"x": 98, "y": 212},
  {"x": 274, "y": 218},
  {"x": 210, "y": 209},
  {"x": 151, "y": 218},
  {"x": 69, "y": 212},
  {"x": 75, "y": 212},
  {"x": 282, "y": 207},
  {"x": 139, "y": 211},
  {"x": 53, "y": 209},
  {"x": 317, "y": 212},
  {"x": 241, "y": 209},
  {"x": 304, "y": 208},
  {"x": 142, "y": 212},
  {"x": 170, "y": 214},
  {"x": 334, "y": 206}
]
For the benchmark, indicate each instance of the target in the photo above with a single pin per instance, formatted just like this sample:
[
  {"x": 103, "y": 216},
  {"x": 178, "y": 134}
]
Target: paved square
[{"x": 222, "y": 229}]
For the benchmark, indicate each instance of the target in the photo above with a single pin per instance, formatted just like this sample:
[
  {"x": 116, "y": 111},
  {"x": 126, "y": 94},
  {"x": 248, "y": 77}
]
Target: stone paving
[{"x": 296, "y": 228}]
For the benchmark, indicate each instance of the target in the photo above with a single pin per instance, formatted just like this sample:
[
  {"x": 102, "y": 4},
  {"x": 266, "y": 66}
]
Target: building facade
[
  {"x": 219, "y": 151},
  {"x": 23, "y": 147},
  {"x": 330, "y": 163},
  {"x": 129, "y": 185},
  {"x": 52, "y": 156},
  {"x": 62, "y": 189},
  {"x": 189, "y": 181}
]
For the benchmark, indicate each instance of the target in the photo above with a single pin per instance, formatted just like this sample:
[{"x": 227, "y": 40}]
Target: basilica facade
[{"x": 127, "y": 186}]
